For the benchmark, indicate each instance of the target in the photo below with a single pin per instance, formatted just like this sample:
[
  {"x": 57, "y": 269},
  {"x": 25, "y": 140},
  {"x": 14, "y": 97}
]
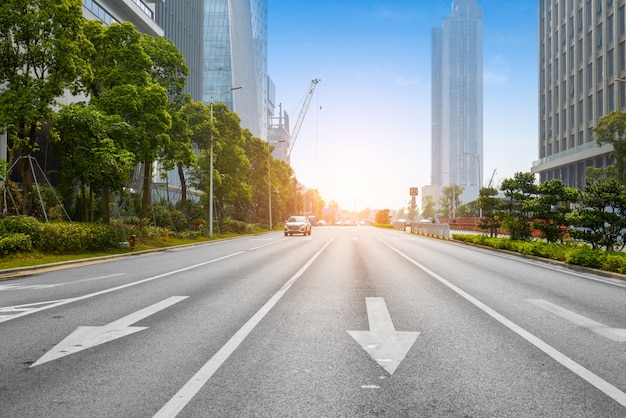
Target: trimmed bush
[
  {"x": 24, "y": 225},
  {"x": 67, "y": 238},
  {"x": 14, "y": 243},
  {"x": 614, "y": 262},
  {"x": 585, "y": 257}
]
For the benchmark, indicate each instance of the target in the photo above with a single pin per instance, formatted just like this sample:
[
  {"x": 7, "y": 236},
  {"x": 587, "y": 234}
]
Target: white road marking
[
  {"x": 19, "y": 286},
  {"x": 613, "y": 334},
  {"x": 88, "y": 337},
  {"x": 9, "y": 312},
  {"x": 113, "y": 289},
  {"x": 193, "y": 386},
  {"x": 593, "y": 379},
  {"x": 382, "y": 342},
  {"x": 24, "y": 286}
]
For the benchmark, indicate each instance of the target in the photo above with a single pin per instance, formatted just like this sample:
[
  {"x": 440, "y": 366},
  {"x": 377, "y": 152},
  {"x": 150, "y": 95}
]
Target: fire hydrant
[{"x": 133, "y": 238}]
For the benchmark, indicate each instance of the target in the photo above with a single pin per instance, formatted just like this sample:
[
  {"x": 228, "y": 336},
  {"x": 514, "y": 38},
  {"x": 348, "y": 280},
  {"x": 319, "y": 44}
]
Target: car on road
[{"x": 298, "y": 225}]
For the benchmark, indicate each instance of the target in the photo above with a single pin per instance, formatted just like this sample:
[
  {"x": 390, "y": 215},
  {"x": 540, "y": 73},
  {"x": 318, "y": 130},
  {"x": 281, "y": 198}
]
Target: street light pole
[{"x": 211, "y": 162}]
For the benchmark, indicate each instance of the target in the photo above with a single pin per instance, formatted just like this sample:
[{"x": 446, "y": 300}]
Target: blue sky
[{"x": 366, "y": 136}]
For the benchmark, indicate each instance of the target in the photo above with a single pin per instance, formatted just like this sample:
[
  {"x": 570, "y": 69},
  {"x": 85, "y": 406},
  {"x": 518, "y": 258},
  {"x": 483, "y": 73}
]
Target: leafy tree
[
  {"x": 187, "y": 122},
  {"x": 600, "y": 219},
  {"x": 126, "y": 81},
  {"x": 449, "y": 201},
  {"x": 491, "y": 207},
  {"x": 428, "y": 207},
  {"x": 611, "y": 129},
  {"x": 230, "y": 165},
  {"x": 315, "y": 202},
  {"x": 259, "y": 178},
  {"x": 520, "y": 190},
  {"x": 551, "y": 207},
  {"x": 170, "y": 71},
  {"x": 83, "y": 139},
  {"x": 40, "y": 42},
  {"x": 383, "y": 217}
]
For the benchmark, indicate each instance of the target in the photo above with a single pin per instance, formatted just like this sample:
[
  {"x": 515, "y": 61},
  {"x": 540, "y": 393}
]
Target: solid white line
[
  {"x": 113, "y": 289},
  {"x": 193, "y": 386},
  {"x": 595, "y": 380}
]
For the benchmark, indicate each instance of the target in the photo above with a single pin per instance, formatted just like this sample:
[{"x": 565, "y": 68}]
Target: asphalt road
[{"x": 351, "y": 321}]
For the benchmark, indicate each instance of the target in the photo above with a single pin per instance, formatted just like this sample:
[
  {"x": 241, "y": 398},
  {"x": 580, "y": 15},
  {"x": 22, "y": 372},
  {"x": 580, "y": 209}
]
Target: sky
[{"x": 365, "y": 140}]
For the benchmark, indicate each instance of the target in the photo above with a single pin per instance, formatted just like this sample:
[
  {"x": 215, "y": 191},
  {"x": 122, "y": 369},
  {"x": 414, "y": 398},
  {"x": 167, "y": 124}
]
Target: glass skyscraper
[
  {"x": 457, "y": 100},
  {"x": 225, "y": 45}
]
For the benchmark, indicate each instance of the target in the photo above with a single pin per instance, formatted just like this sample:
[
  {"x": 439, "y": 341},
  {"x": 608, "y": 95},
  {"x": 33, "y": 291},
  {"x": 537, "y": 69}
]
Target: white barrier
[{"x": 433, "y": 230}]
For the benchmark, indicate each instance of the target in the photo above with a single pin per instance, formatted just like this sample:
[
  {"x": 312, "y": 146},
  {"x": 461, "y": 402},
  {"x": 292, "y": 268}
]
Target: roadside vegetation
[
  {"x": 582, "y": 227},
  {"x": 83, "y": 177}
]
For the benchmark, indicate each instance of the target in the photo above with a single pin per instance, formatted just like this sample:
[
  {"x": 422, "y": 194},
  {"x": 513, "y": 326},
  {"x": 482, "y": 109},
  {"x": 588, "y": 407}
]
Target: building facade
[
  {"x": 139, "y": 12},
  {"x": 457, "y": 100},
  {"x": 582, "y": 68}
]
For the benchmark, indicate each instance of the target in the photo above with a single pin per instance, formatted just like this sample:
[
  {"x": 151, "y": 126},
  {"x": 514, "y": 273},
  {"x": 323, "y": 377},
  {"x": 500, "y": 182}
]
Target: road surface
[{"x": 351, "y": 321}]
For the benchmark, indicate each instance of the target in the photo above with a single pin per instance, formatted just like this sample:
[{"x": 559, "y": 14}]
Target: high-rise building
[
  {"x": 138, "y": 12},
  {"x": 582, "y": 65},
  {"x": 457, "y": 100},
  {"x": 225, "y": 46}
]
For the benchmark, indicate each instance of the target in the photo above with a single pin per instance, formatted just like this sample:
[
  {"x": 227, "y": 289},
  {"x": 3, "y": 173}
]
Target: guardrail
[{"x": 433, "y": 230}]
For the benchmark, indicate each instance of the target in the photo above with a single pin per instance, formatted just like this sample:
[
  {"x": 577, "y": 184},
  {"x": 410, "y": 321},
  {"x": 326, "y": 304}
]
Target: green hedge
[
  {"x": 570, "y": 253},
  {"x": 14, "y": 243},
  {"x": 66, "y": 238},
  {"x": 24, "y": 225}
]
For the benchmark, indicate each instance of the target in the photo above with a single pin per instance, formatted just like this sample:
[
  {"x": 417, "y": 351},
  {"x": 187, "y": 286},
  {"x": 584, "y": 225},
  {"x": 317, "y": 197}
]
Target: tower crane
[{"x": 305, "y": 107}]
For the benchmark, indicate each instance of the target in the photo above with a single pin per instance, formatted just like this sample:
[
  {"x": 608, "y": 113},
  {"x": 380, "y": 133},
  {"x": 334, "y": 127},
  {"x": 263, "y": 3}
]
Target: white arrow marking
[
  {"x": 382, "y": 342},
  {"x": 88, "y": 337},
  {"x": 613, "y": 334}
]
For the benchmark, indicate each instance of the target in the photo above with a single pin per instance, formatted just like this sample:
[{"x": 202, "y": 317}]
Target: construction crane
[{"x": 305, "y": 107}]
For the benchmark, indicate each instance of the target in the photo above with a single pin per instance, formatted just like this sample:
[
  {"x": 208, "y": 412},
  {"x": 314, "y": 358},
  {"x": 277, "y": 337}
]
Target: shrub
[
  {"x": 65, "y": 237},
  {"x": 614, "y": 262},
  {"x": 14, "y": 243},
  {"x": 24, "y": 225},
  {"x": 232, "y": 225},
  {"x": 585, "y": 257}
]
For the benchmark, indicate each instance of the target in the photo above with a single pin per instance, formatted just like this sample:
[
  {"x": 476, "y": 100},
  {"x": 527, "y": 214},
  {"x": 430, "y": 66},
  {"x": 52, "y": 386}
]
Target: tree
[
  {"x": 190, "y": 125},
  {"x": 230, "y": 165},
  {"x": 383, "y": 217},
  {"x": 449, "y": 200},
  {"x": 491, "y": 206},
  {"x": 520, "y": 190},
  {"x": 126, "y": 81},
  {"x": 611, "y": 129},
  {"x": 40, "y": 42},
  {"x": 428, "y": 207},
  {"x": 600, "y": 219},
  {"x": 84, "y": 144},
  {"x": 551, "y": 207},
  {"x": 259, "y": 178}
]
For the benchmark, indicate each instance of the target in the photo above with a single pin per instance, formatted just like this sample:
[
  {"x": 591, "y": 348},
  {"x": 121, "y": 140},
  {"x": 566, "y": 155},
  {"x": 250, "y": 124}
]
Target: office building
[
  {"x": 457, "y": 100},
  {"x": 582, "y": 60},
  {"x": 139, "y": 12}
]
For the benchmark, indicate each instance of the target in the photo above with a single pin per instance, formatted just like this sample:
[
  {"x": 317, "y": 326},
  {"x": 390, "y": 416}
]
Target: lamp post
[{"x": 211, "y": 162}]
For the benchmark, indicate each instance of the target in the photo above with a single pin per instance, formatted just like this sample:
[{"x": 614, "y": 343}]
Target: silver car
[{"x": 298, "y": 225}]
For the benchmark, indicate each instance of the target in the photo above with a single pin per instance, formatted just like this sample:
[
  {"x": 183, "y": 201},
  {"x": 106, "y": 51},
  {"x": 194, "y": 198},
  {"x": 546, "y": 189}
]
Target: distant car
[
  {"x": 321, "y": 222},
  {"x": 298, "y": 225}
]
